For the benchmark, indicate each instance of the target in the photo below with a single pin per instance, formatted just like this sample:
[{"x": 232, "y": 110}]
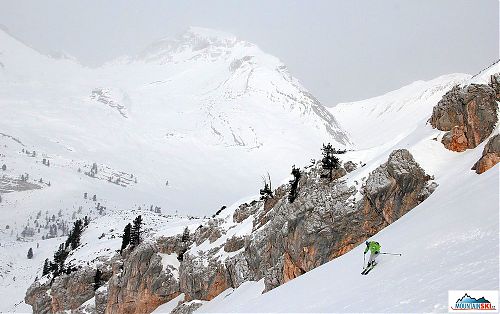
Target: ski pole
[
  {"x": 364, "y": 256},
  {"x": 391, "y": 253}
]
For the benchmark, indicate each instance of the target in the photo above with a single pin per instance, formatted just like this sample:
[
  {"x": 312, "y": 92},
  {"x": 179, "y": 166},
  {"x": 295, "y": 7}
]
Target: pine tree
[
  {"x": 185, "y": 235},
  {"x": 126, "y": 237},
  {"x": 73, "y": 240},
  {"x": 135, "y": 232},
  {"x": 294, "y": 184},
  {"x": 30, "y": 253},
  {"x": 97, "y": 279},
  {"x": 59, "y": 258},
  {"x": 46, "y": 267},
  {"x": 329, "y": 161}
]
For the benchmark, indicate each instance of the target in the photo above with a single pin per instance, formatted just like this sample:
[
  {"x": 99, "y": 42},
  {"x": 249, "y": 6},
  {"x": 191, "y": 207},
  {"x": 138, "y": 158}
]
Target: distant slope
[
  {"x": 392, "y": 116},
  {"x": 207, "y": 112}
]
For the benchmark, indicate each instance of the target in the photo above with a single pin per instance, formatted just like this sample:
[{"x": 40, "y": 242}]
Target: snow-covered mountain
[
  {"x": 206, "y": 109},
  {"x": 188, "y": 125},
  {"x": 192, "y": 123}
]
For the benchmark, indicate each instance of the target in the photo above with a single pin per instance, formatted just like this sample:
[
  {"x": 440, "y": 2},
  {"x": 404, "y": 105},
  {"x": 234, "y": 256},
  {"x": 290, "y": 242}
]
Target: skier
[{"x": 374, "y": 248}]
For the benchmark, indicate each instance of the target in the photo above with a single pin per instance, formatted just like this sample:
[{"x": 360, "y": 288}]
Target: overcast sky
[{"x": 340, "y": 50}]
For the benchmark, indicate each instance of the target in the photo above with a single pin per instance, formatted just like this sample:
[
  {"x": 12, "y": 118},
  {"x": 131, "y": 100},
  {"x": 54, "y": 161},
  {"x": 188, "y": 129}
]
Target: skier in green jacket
[{"x": 374, "y": 248}]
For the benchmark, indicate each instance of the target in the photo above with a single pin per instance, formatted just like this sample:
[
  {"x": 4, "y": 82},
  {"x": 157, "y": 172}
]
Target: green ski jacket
[{"x": 373, "y": 246}]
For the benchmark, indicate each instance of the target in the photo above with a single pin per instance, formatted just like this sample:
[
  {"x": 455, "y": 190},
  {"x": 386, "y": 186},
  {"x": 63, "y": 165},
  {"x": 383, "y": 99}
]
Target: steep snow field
[{"x": 449, "y": 242}]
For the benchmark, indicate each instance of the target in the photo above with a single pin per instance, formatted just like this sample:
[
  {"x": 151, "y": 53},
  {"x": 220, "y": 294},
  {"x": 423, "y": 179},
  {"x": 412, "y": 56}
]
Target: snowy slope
[
  {"x": 204, "y": 103},
  {"x": 448, "y": 242},
  {"x": 188, "y": 125},
  {"x": 399, "y": 111}
]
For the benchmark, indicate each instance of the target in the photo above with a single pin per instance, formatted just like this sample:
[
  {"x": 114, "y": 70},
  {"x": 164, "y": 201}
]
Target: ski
[{"x": 367, "y": 270}]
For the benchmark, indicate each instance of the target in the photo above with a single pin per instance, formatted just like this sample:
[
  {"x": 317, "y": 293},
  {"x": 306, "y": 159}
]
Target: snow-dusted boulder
[{"x": 469, "y": 114}]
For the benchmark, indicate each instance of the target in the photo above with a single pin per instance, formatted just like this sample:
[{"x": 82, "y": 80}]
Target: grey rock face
[
  {"x": 200, "y": 281},
  {"x": 187, "y": 308},
  {"x": 211, "y": 231},
  {"x": 396, "y": 186},
  {"x": 143, "y": 284},
  {"x": 67, "y": 292},
  {"x": 244, "y": 211},
  {"x": 37, "y": 297},
  {"x": 71, "y": 291}
]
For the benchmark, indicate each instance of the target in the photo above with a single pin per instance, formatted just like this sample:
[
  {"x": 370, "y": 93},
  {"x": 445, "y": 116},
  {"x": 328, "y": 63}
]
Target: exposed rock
[
  {"x": 287, "y": 239},
  {"x": 245, "y": 210},
  {"x": 395, "y": 187},
  {"x": 495, "y": 84},
  {"x": 468, "y": 113},
  {"x": 38, "y": 298},
  {"x": 211, "y": 231},
  {"x": 173, "y": 244},
  {"x": 70, "y": 291},
  {"x": 65, "y": 292},
  {"x": 234, "y": 244},
  {"x": 101, "y": 300},
  {"x": 202, "y": 282},
  {"x": 491, "y": 155},
  {"x": 239, "y": 270},
  {"x": 350, "y": 166},
  {"x": 456, "y": 140},
  {"x": 143, "y": 284},
  {"x": 187, "y": 307}
]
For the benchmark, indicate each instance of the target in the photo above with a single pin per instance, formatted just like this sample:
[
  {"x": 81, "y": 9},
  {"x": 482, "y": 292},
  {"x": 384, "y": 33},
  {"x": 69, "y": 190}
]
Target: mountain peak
[
  {"x": 209, "y": 34},
  {"x": 194, "y": 41}
]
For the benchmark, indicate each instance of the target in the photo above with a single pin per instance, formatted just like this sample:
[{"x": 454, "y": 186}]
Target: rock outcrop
[
  {"x": 491, "y": 155},
  {"x": 394, "y": 188},
  {"x": 142, "y": 283},
  {"x": 65, "y": 292},
  {"x": 38, "y": 298},
  {"x": 278, "y": 240},
  {"x": 469, "y": 114}
]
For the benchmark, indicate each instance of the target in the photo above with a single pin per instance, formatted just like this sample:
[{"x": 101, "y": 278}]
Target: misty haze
[{"x": 250, "y": 156}]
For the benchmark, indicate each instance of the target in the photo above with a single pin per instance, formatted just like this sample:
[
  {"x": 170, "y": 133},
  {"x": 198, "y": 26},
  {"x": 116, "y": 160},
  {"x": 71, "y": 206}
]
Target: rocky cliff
[
  {"x": 269, "y": 238},
  {"x": 468, "y": 114}
]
